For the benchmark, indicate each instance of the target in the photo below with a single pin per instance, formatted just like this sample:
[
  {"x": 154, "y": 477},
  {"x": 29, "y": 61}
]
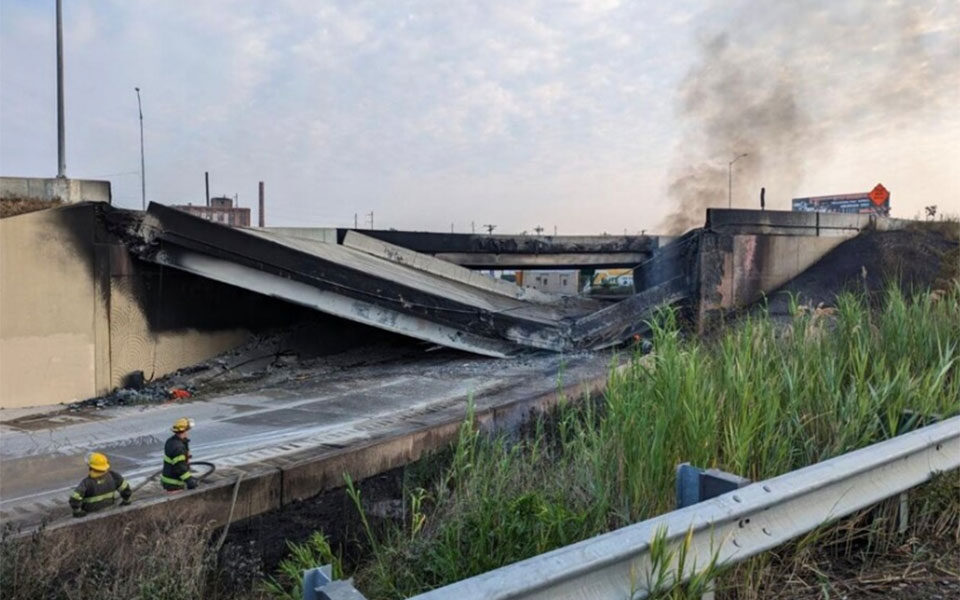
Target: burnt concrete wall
[
  {"x": 735, "y": 270},
  {"x": 52, "y": 315},
  {"x": 78, "y": 313},
  {"x": 746, "y": 254}
]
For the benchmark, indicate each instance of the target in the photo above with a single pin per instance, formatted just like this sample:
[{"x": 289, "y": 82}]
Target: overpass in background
[{"x": 485, "y": 251}]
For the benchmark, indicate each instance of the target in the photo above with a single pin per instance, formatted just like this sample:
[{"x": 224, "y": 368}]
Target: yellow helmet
[
  {"x": 98, "y": 462},
  {"x": 182, "y": 424}
]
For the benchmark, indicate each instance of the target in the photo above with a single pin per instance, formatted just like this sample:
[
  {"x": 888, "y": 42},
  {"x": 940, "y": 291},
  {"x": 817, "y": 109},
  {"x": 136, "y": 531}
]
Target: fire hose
[{"x": 210, "y": 469}]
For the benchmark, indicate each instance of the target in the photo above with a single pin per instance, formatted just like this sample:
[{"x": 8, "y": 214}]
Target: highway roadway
[{"x": 42, "y": 457}]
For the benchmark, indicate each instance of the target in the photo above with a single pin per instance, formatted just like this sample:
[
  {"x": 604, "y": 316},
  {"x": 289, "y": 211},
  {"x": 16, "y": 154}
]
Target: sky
[{"x": 584, "y": 116}]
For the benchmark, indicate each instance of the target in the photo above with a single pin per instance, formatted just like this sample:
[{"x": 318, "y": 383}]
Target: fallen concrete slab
[
  {"x": 384, "y": 286},
  {"x": 443, "y": 268},
  {"x": 355, "y": 285},
  {"x": 627, "y": 318}
]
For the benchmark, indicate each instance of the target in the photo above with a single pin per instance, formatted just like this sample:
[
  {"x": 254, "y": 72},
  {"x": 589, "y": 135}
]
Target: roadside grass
[
  {"x": 167, "y": 559},
  {"x": 760, "y": 400}
]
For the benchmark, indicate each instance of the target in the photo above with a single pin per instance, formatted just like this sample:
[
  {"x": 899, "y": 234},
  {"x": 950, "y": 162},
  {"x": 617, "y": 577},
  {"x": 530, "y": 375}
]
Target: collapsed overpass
[
  {"x": 92, "y": 294},
  {"x": 383, "y": 285}
]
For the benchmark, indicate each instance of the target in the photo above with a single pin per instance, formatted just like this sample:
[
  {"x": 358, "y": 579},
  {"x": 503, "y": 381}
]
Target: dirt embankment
[{"x": 11, "y": 206}]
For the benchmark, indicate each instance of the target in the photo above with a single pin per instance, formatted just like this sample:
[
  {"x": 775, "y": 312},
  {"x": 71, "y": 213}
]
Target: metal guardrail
[{"x": 731, "y": 527}]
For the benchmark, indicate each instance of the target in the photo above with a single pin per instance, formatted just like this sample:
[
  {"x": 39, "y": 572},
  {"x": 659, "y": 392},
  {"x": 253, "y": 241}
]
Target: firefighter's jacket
[
  {"x": 96, "y": 493},
  {"x": 176, "y": 465}
]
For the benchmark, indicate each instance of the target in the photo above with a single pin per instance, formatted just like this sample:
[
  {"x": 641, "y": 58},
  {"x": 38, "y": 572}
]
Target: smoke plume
[{"x": 792, "y": 81}]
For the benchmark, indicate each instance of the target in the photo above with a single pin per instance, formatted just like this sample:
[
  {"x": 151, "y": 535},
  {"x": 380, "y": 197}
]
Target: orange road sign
[{"x": 879, "y": 194}]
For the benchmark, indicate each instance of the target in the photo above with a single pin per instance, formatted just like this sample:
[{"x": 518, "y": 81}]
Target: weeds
[
  {"x": 164, "y": 561},
  {"x": 761, "y": 400},
  {"x": 316, "y": 551}
]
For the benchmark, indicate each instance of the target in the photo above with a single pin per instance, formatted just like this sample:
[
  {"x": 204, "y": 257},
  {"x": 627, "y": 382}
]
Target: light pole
[
  {"x": 61, "y": 149},
  {"x": 730, "y": 178},
  {"x": 143, "y": 180}
]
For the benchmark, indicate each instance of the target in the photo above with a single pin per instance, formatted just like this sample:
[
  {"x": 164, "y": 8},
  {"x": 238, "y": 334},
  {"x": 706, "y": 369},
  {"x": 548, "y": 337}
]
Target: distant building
[
  {"x": 554, "y": 282},
  {"x": 876, "y": 202},
  {"x": 612, "y": 278},
  {"x": 221, "y": 210}
]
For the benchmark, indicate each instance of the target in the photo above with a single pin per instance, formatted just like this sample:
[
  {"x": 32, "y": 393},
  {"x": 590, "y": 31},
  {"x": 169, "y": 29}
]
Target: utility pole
[
  {"x": 355, "y": 224},
  {"x": 61, "y": 136},
  {"x": 554, "y": 230},
  {"x": 489, "y": 227},
  {"x": 143, "y": 176},
  {"x": 371, "y": 219},
  {"x": 730, "y": 179},
  {"x": 473, "y": 227},
  {"x": 206, "y": 183}
]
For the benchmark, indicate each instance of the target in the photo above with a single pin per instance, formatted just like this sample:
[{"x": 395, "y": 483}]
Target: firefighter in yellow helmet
[
  {"x": 176, "y": 459},
  {"x": 100, "y": 488}
]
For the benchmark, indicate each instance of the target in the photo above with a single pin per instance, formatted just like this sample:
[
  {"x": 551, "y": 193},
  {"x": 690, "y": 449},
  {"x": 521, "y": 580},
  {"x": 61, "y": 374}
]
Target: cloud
[
  {"x": 789, "y": 85},
  {"x": 424, "y": 113}
]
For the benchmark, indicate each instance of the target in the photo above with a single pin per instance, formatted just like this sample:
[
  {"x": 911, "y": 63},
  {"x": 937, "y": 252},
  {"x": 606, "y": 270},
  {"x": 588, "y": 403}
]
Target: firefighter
[
  {"x": 100, "y": 488},
  {"x": 176, "y": 474}
]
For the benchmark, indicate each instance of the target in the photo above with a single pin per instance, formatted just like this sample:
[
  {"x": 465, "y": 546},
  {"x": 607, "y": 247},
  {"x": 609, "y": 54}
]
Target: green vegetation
[
  {"x": 761, "y": 400},
  {"x": 314, "y": 552}
]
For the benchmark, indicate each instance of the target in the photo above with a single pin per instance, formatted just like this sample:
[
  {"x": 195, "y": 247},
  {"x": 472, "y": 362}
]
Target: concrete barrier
[{"x": 69, "y": 191}]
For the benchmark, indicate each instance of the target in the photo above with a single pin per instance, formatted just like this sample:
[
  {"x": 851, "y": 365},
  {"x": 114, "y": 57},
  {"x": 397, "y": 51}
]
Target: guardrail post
[
  {"x": 903, "y": 515},
  {"x": 695, "y": 485},
  {"x": 318, "y": 584}
]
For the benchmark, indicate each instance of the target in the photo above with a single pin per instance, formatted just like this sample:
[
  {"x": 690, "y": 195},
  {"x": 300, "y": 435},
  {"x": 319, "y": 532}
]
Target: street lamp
[
  {"x": 61, "y": 144},
  {"x": 143, "y": 181},
  {"x": 730, "y": 178}
]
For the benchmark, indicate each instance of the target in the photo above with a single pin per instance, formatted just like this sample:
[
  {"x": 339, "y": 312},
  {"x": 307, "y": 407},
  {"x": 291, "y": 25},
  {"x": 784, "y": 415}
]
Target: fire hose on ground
[{"x": 211, "y": 468}]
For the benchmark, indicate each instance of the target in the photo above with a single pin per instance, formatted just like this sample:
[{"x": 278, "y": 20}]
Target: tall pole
[
  {"x": 143, "y": 175},
  {"x": 61, "y": 144},
  {"x": 263, "y": 219},
  {"x": 730, "y": 179},
  {"x": 206, "y": 185}
]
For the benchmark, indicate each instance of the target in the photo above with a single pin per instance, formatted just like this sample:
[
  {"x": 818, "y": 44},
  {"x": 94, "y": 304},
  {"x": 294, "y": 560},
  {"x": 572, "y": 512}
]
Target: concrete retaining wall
[
  {"x": 746, "y": 254},
  {"x": 78, "y": 314},
  {"x": 781, "y": 222},
  {"x": 51, "y": 310},
  {"x": 70, "y": 191}
]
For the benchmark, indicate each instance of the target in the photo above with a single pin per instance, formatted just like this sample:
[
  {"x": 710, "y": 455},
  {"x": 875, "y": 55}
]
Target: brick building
[{"x": 221, "y": 210}]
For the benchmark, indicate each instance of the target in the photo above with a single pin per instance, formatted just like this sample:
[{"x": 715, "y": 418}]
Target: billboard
[{"x": 876, "y": 202}]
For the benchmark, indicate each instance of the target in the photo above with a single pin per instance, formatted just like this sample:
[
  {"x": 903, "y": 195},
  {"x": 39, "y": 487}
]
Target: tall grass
[
  {"x": 159, "y": 560},
  {"x": 762, "y": 400}
]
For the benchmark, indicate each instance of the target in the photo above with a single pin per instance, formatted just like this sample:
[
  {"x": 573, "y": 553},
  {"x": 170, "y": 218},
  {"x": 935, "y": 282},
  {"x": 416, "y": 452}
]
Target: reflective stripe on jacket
[
  {"x": 96, "y": 493},
  {"x": 176, "y": 463}
]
